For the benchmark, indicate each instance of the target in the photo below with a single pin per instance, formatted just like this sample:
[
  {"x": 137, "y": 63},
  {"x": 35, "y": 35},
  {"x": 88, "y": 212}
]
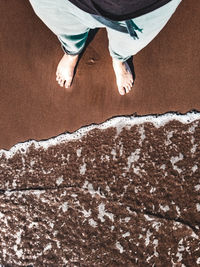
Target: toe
[
  {"x": 121, "y": 90},
  {"x": 58, "y": 77},
  {"x": 67, "y": 84},
  {"x": 58, "y": 74},
  {"x": 60, "y": 81},
  {"x": 131, "y": 85},
  {"x": 128, "y": 88}
]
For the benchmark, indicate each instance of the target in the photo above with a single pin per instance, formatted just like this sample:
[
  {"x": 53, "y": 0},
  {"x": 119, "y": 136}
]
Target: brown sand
[
  {"x": 34, "y": 106},
  {"x": 130, "y": 199},
  {"x": 106, "y": 199}
]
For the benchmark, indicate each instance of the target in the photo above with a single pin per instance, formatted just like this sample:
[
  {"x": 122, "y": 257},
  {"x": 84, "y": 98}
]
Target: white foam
[
  {"x": 86, "y": 213},
  {"x": 126, "y": 234},
  {"x": 113, "y": 152},
  {"x": 148, "y": 218},
  {"x": 169, "y": 136},
  {"x": 18, "y": 234},
  {"x": 78, "y": 152},
  {"x": 156, "y": 225},
  {"x": 147, "y": 239},
  {"x": 91, "y": 190},
  {"x": 178, "y": 210},
  {"x": 153, "y": 189},
  {"x": 83, "y": 169},
  {"x": 59, "y": 180},
  {"x": 32, "y": 224},
  {"x": 164, "y": 208},
  {"x": 142, "y": 134},
  {"x": 193, "y": 127},
  {"x": 64, "y": 206},
  {"x": 163, "y": 167},
  {"x": 105, "y": 158},
  {"x": 112, "y": 227},
  {"x": 51, "y": 224},
  {"x": 103, "y": 212},
  {"x": 155, "y": 242},
  {"x": 134, "y": 156},
  {"x": 174, "y": 160},
  {"x": 93, "y": 223},
  {"x": 194, "y": 168},
  {"x": 117, "y": 122},
  {"x": 19, "y": 252},
  {"x": 119, "y": 247},
  {"x": 179, "y": 256},
  {"x": 127, "y": 219},
  {"x": 198, "y": 207},
  {"x": 194, "y": 148},
  {"x": 197, "y": 187},
  {"x": 49, "y": 246}
]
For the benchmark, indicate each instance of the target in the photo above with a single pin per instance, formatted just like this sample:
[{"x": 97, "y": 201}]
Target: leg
[
  {"x": 122, "y": 46},
  {"x": 60, "y": 19}
]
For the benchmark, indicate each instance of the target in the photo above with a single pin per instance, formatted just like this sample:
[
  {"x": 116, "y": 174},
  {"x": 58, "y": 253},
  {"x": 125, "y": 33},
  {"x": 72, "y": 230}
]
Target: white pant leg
[
  {"x": 66, "y": 21},
  {"x": 122, "y": 46}
]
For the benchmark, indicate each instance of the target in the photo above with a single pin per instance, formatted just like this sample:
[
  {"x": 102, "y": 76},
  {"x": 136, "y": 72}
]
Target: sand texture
[{"x": 120, "y": 195}]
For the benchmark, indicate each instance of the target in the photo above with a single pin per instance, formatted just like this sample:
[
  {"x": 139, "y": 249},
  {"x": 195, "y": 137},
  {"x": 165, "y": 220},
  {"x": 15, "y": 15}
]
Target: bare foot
[
  {"x": 65, "y": 70},
  {"x": 124, "y": 77}
]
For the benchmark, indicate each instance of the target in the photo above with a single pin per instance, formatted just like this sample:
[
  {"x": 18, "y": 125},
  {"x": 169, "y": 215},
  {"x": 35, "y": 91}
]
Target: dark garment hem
[{"x": 92, "y": 8}]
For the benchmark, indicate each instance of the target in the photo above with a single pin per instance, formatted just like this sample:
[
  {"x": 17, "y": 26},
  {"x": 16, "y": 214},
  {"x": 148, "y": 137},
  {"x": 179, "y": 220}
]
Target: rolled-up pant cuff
[
  {"x": 74, "y": 44},
  {"x": 69, "y": 52},
  {"x": 117, "y": 56}
]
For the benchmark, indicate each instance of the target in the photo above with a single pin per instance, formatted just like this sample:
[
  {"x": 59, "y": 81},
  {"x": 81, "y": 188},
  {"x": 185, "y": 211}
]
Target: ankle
[
  {"x": 71, "y": 57},
  {"x": 117, "y": 61}
]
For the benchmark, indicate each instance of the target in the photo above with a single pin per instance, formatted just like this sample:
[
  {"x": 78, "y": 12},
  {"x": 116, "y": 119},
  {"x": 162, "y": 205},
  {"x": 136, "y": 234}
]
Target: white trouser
[{"x": 71, "y": 25}]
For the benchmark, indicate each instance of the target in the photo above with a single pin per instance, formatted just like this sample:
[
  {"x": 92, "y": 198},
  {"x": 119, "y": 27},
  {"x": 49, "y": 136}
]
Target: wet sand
[
  {"x": 125, "y": 194},
  {"x": 34, "y": 106}
]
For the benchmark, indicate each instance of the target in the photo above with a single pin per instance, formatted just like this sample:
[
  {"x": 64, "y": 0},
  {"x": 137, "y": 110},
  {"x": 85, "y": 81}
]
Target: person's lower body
[
  {"x": 122, "y": 46},
  {"x": 71, "y": 25}
]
